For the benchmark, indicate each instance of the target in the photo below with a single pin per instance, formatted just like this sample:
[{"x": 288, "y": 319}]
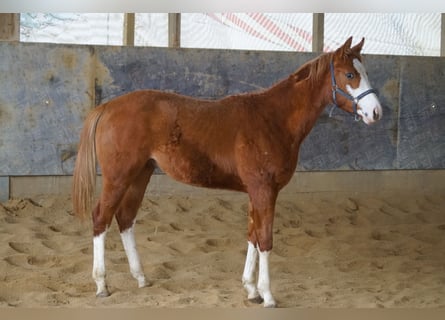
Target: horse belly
[{"x": 198, "y": 170}]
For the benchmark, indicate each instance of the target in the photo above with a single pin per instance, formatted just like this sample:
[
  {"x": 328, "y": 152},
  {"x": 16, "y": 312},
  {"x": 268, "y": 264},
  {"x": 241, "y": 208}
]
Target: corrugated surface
[{"x": 47, "y": 90}]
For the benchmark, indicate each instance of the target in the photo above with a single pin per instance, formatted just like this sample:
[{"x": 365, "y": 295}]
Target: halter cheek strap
[{"x": 355, "y": 100}]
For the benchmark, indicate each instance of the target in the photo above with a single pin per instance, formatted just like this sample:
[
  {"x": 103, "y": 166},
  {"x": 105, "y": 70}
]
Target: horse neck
[{"x": 300, "y": 103}]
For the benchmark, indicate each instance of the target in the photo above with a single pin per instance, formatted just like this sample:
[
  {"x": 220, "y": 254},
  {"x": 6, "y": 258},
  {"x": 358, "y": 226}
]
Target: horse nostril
[{"x": 375, "y": 114}]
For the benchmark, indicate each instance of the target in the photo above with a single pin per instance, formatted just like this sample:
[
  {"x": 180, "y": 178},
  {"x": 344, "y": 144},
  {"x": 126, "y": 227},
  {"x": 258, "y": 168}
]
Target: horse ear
[
  {"x": 347, "y": 44},
  {"x": 358, "y": 47},
  {"x": 345, "y": 48}
]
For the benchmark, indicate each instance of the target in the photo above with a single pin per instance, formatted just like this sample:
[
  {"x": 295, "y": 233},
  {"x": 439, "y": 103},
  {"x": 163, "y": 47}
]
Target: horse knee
[
  {"x": 263, "y": 241},
  {"x": 265, "y": 245}
]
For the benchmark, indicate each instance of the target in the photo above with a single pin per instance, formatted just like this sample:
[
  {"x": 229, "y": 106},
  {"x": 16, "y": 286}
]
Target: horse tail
[{"x": 84, "y": 177}]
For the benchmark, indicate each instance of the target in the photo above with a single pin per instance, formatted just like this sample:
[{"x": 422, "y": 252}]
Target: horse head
[{"x": 351, "y": 90}]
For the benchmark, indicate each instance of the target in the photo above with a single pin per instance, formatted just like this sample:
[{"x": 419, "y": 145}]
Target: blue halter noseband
[{"x": 355, "y": 100}]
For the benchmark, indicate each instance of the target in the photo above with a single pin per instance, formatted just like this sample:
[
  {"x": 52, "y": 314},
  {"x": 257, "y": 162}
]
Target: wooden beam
[
  {"x": 442, "y": 36},
  {"x": 4, "y": 189},
  {"x": 317, "y": 32},
  {"x": 174, "y": 30},
  {"x": 129, "y": 25},
  {"x": 9, "y": 26}
]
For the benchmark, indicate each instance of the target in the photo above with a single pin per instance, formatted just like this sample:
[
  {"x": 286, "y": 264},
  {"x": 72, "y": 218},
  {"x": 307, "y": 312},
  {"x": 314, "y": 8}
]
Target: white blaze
[{"x": 369, "y": 104}]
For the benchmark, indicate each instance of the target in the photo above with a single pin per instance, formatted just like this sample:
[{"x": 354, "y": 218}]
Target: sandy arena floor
[{"x": 330, "y": 250}]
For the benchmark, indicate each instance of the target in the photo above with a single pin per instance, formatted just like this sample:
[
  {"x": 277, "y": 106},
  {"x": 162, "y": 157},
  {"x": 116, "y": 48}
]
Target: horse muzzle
[{"x": 370, "y": 114}]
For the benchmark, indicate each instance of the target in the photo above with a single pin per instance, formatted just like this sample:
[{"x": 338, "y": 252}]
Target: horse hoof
[
  {"x": 102, "y": 294},
  {"x": 145, "y": 284},
  {"x": 270, "y": 305},
  {"x": 256, "y": 300}
]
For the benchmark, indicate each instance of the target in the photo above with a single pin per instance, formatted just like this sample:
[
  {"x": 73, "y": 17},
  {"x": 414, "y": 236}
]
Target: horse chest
[{"x": 263, "y": 161}]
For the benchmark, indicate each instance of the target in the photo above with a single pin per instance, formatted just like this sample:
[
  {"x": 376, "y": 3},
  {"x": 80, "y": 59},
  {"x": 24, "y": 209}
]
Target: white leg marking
[
  {"x": 129, "y": 243},
  {"x": 99, "y": 265},
  {"x": 264, "y": 280},
  {"x": 249, "y": 272}
]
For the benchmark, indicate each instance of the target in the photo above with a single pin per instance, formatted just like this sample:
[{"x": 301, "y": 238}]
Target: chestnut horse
[{"x": 247, "y": 142}]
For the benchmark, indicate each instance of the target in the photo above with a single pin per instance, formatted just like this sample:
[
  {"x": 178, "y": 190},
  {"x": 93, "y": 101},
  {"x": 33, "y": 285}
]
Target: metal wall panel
[
  {"x": 196, "y": 72},
  {"x": 48, "y": 89},
  {"x": 421, "y": 142},
  {"x": 45, "y": 91}
]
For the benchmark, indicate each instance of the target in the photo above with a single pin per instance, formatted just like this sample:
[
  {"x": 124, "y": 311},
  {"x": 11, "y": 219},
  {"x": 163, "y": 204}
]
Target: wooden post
[
  {"x": 317, "y": 32},
  {"x": 9, "y": 26},
  {"x": 9, "y": 31},
  {"x": 442, "y": 35},
  {"x": 129, "y": 25},
  {"x": 174, "y": 30},
  {"x": 4, "y": 189}
]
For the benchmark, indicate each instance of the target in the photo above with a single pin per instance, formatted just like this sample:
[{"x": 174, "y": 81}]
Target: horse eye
[{"x": 350, "y": 75}]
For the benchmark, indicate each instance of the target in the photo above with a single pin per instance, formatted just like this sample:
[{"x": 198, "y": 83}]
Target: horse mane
[{"x": 313, "y": 70}]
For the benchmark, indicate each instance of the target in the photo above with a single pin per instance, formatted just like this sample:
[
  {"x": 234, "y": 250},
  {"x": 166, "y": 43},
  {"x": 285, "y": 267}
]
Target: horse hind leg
[
  {"x": 99, "y": 265},
  {"x": 125, "y": 217},
  {"x": 251, "y": 262},
  {"x": 108, "y": 205},
  {"x": 102, "y": 217}
]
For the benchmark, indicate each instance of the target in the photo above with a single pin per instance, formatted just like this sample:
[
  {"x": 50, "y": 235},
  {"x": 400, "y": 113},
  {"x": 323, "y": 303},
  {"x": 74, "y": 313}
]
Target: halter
[{"x": 355, "y": 100}]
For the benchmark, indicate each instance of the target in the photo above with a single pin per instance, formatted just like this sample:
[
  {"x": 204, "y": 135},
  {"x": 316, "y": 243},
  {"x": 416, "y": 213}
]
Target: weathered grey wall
[{"x": 46, "y": 91}]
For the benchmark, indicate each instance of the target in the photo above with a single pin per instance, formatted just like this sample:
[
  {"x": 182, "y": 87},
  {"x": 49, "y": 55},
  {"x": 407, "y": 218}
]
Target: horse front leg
[
  {"x": 264, "y": 280},
  {"x": 260, "y": 227},
  {"x": 249, "y": 274}
]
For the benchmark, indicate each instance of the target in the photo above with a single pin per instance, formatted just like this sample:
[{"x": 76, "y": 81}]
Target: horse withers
[{"x": 247, "y": 142}]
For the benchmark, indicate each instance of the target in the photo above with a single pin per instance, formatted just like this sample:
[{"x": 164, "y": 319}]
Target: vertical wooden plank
[
  {"x": 442, "y": 36},
  {"x": 129, "y": 25},
  {"x": 4, "y": 189},
  {"x": 174, "y": 30},
  {"x": 9, "y": 26},
  {"x": 317, "y": 32}
]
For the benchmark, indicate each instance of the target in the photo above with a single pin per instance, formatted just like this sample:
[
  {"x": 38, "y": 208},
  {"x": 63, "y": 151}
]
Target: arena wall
[{"x": 47, "y": 90}]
